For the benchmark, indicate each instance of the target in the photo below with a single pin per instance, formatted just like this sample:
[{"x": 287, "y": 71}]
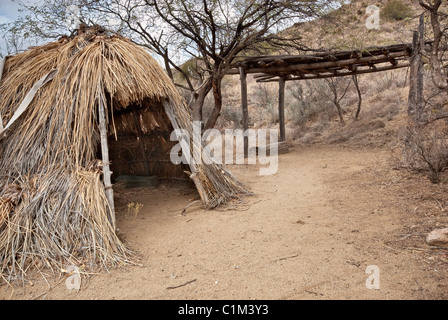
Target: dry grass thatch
[{"x": 53, "y": 208}]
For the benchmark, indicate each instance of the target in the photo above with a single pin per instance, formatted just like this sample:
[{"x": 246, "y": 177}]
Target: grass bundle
[{"x": 60, "y": 219}]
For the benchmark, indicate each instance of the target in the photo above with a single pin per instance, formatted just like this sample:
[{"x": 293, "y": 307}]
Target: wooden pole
[
  {"x": 340, "y": 74},
  {"x": 326, "y": 65},
  {"x": 415, "y": 98},
  {"x": 281, "y": 108},
  {"x": 106, "y": 163},
  {"x": 244, "y": 106}
]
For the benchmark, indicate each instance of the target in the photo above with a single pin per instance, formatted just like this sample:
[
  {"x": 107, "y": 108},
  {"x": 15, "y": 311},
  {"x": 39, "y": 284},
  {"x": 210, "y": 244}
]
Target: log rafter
[{"x": 325, "y": 64}]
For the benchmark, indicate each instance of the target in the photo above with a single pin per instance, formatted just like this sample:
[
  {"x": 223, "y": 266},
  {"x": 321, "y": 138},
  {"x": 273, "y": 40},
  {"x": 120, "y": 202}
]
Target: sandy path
[{"x": 310, "y": 232}]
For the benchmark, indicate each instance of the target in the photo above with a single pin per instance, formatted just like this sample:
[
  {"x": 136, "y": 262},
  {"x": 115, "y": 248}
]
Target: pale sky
[{"x": 9, "y": 11}]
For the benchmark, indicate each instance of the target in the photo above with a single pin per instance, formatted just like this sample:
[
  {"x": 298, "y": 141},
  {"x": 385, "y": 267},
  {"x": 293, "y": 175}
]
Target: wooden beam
[
  {"x": 262, "y": 75},
  {"x": 343, "y": 74},
  {"x": 105, "y": 158},
  {"x": 281, "y": 108},
  {"x": 244, "y": 106},
  {"x": 372, "y": 65},
  {"x": 332, "y": 57},
  {"x": 324, "y": 65},
  {"x": 266, "y": 77}
]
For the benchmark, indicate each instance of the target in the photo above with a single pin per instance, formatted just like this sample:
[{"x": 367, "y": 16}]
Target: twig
[
  {"x": 441, "y": 207},
  {"x": 410, "y": 235},
  {"x": 286, "y": 258},
  {"x": 185, "y": 209},
  {"x": 305, "y": 289},
  {"x": 182, "y": 285},
  {"x": 236, "y": 208}
]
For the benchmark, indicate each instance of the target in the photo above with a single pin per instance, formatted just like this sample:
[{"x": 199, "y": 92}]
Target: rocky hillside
[{"x": 346, "y": 27}]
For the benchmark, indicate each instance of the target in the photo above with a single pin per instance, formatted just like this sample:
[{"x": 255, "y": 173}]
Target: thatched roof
[{"x": 53, "y": 208}]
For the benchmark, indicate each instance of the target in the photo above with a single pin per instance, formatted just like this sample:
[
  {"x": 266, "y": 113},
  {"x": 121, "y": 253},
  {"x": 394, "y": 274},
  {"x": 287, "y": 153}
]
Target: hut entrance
[{"x": 140, "y": 146}]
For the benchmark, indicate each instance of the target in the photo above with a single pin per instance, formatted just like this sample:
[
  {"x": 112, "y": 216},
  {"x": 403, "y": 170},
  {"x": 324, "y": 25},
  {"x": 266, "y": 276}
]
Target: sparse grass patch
[{"x": 396, "y": 10}]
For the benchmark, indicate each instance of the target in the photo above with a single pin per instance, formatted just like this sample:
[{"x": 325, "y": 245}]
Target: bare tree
[
  {"x": 437, "y": 54},
  {"x": 215, "y": 32},
  {"x": 209, "y": 33},
  {"x": 338, "y": 88}
]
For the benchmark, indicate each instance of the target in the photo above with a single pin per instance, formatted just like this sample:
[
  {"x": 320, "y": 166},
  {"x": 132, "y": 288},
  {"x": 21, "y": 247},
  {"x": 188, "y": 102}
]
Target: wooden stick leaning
[{"x": 106, "y": 162}]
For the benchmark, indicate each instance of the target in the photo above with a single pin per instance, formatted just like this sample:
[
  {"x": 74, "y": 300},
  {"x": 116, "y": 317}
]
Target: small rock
[{"x": 438, "y": 237}]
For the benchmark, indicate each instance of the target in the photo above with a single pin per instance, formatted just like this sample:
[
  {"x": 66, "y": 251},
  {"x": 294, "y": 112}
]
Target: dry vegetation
[
  {"x": 314, "y": 121},
  {"x": 315, "y": 116},
  {"x": 53, "y": 203}
]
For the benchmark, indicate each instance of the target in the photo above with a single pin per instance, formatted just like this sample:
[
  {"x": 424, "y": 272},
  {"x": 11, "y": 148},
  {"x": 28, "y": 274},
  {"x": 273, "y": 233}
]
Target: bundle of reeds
[{"x": 215, "y": 184}]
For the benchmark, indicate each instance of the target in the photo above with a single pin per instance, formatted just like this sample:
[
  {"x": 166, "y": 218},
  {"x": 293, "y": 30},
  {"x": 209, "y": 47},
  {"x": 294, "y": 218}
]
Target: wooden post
[
  {"x": 415, "y": 98},
  {"x": 245, "y": 110},
  {"x": 106, "y": 163},
  {"x": 281, "y": 108}
]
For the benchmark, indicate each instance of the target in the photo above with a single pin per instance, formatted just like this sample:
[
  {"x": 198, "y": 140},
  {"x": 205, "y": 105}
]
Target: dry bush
[
  {"x": 306, "y": 101},
  {"x": 266, "y": 98},
  {"x": 230, "y": 118},
  {"x": 395, "y": 10},
  {"x": 425, "y": 147},
  {"x": 354, "y": 131},
  {"x": 300, "y": 105}
]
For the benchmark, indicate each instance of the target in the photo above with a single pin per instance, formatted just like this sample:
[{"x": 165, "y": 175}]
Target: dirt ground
[{"x": 309, "y": 232}]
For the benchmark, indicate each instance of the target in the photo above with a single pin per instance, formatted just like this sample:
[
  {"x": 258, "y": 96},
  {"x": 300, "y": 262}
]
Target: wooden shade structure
[{"x": 320, "y": 65}]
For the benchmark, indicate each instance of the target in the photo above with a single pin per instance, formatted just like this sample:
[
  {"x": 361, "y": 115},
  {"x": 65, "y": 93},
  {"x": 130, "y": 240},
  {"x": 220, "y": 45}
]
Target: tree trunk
[
  {"x": 199, "y": 99},
  {"x": 439, "y": 76},
  {"x": 358, "y": 110},
  {"x": 415, "y": 98},
  {"x": 340, "y": 113},
  {"x": 217, "y": 95}
]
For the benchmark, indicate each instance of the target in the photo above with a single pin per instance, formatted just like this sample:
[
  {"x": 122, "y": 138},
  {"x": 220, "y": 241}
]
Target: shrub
[
  {"x": 395, "y": 10},
  {"x": 266, "y": 97},
  {"x": 425, "y": 147},
  {"x": 300, "y": 105}
]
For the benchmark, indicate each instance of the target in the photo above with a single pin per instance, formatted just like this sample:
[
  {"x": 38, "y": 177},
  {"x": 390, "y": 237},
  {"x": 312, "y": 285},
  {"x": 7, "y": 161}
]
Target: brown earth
[{"x": 309, "y": 232}]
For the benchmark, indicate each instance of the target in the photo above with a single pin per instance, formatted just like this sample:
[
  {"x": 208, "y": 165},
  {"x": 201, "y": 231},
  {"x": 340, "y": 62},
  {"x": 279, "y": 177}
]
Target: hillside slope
[{"x": 346, "y": 27}]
